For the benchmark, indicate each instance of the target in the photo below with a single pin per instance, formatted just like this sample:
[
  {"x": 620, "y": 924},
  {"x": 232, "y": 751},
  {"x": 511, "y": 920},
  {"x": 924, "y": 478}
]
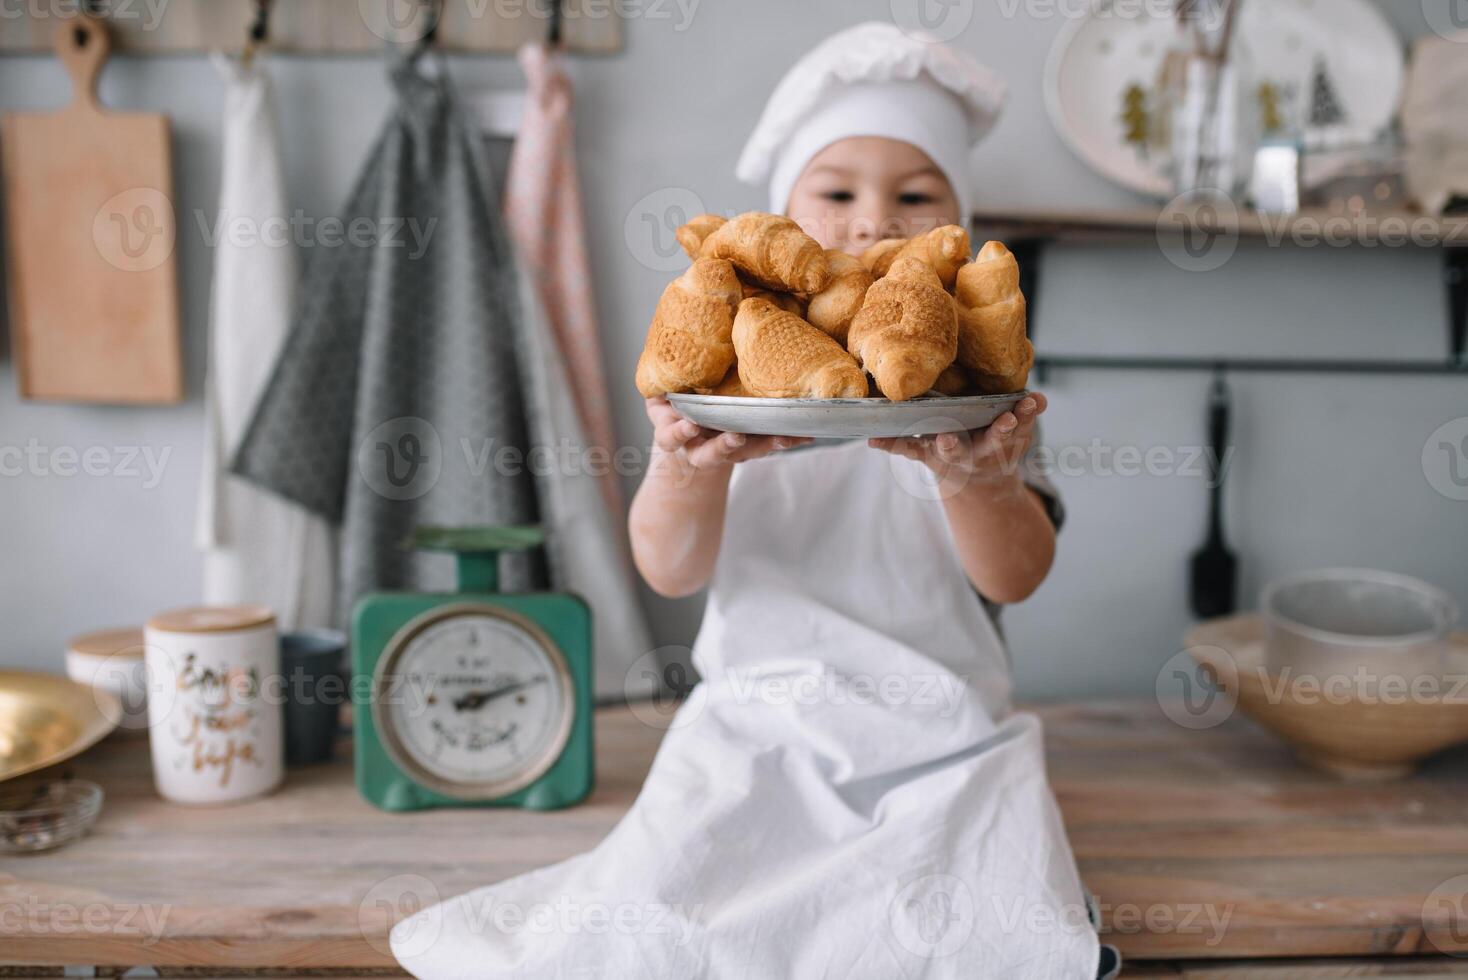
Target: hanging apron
[
  {"x": 846, "y": 794},
  {"x": 544, "y": 215},
  {"x": 586, "y": 543},
  {"x": 258, "y": 547},
  {"x": 584, "y": 552}
]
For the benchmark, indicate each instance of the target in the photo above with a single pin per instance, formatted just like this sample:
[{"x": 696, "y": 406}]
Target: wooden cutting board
[{"x": 90, "y": 243}]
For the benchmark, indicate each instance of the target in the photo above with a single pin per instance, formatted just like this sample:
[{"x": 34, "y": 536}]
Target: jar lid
[
  {"x": 212, "y": 619},
  {"x": 124, "y": 641}
]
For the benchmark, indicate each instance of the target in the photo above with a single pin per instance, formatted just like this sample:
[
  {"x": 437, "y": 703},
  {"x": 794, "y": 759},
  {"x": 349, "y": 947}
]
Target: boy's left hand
[{"x": 985, "y": 456}]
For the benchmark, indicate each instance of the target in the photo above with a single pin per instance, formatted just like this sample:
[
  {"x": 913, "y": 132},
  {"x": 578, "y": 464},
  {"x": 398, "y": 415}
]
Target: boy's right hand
[{"x": 708, "y": 449}]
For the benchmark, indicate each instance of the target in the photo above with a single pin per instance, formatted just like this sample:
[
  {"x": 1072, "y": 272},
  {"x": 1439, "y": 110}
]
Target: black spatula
[{"x": 1215, "y": 569}]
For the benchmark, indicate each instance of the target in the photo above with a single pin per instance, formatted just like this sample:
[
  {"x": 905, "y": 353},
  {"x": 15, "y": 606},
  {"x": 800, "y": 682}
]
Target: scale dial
[{"x": 473, "y": 701}]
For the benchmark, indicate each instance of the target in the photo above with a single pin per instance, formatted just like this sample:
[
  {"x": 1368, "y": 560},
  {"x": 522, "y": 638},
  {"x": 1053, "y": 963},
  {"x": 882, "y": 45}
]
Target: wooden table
[{"x": 1211, "y": 852}]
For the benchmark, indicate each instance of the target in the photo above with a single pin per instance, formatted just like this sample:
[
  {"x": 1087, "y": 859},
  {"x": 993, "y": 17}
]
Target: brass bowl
[
  {"x": 46, "y": 719},
  {"x": 1353, "y": 724}
]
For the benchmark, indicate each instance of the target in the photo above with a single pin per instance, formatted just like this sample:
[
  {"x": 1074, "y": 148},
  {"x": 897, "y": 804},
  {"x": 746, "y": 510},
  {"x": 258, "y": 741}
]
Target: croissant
[
  {"x": 770, "y": 250},
  {"x": 991, "y": 322},
  {"x": 693, "y": 234},
  {"x": 782, "y": 356},
  {"x": 945, "y": 249},
  {"x": 788, "y": 302},
  {"x": 907, "y": 331},
  {"x": 731, "y": 386},
  {"x": 689, "y": 344},
  {"x": 833, "y": 308},
  {"x": 878, "y": 258},
  {"x": 953, "y": 381}
]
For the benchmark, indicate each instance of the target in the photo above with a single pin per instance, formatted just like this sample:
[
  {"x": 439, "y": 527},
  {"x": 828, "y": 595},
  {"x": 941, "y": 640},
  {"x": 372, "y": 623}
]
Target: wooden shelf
[
  {"x": 1030, "y": 232},
  {"x": 1140, "y": 225},
  {"x": 1045, "y": 363},
  {"x": 319, "y": 26}
]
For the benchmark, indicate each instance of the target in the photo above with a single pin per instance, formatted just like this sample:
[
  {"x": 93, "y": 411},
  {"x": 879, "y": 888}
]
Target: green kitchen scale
[{"x": 473, "y": 698}]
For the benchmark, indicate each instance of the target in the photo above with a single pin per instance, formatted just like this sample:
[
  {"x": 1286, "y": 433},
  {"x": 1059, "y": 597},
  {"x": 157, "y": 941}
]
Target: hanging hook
[
  {"x": 557, "y": 23},
  {"x": 260, "y": 29},
  {"x": 1218, "y": 392},
  {"x": 435, "y": 15},
  {"x": 258, "y": 34},
  {"x": 93, "y": 9}
]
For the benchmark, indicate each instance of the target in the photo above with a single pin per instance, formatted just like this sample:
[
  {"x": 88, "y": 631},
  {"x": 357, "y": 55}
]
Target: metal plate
[
  {"x": 843, "y": 418},
  {"x": 46, "y": 719}
]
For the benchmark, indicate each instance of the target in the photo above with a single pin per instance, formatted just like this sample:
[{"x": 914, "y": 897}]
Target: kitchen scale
[{"x": 473, "y": 698}]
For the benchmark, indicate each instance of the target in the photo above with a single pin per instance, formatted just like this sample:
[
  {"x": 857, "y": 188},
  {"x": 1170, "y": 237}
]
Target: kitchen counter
[{"x": 1211, "y": 853}]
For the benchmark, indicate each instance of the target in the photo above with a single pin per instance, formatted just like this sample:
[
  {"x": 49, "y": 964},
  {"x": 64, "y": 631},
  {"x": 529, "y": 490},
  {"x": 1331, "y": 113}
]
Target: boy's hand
[
  {"x": 707, "y": 449},
  {"x": 983, "y": 456}
]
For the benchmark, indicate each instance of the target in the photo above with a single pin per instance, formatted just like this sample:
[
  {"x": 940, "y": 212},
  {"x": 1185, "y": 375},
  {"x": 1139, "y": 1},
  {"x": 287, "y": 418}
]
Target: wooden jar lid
[
  {"x": 124, "y": 641},
  {"x": 212, "y": 619}
]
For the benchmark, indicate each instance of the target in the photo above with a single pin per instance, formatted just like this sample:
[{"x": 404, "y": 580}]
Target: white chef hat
[{"x": 874, "y": 79}]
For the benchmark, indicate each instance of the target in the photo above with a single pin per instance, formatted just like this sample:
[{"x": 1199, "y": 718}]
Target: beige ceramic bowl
[{"x": 1356, "y": 725}]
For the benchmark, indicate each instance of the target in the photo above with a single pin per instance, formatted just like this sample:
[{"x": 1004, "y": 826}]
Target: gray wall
[{"x": 1327, "y": 470}]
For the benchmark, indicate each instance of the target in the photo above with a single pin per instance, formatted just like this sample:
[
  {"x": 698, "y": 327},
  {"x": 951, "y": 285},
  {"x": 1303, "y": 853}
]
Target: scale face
[
  {"x": 473, "y": 701},
  {"x": 473, "y": 698}
]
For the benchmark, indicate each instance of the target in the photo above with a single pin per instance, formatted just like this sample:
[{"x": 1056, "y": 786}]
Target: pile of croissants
[{"x": 765, "y": 312}]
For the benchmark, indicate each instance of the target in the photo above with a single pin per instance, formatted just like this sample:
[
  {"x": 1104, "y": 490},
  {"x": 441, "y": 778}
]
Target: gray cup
[{"x": 312, "y": 663}]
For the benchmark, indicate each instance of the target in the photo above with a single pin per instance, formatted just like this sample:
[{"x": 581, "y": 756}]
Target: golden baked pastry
[
  {"x": 692, "y": 235},
  {"x": 945, "y": 250},
  {"x": 991, "y": 322},
  {"x": 782, "y": 356},
  {"x": 953, "y": 381},
  {"x": 833, "y": 308},
  {"x": 731, "y": 386},
  {"x": 689, "y": 344},
  {"x": 907, "y": 331},
  {"x": 771, "y": 251},
  {"x": 878, "y": 258},
  {"x": 788, "y": 302}
]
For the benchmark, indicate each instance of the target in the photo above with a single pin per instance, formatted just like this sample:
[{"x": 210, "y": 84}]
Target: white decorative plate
[{"x": 1097, "y": 57}]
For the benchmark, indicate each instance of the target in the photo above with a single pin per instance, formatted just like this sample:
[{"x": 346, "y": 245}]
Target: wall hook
[{"x": 258, "y": 33}]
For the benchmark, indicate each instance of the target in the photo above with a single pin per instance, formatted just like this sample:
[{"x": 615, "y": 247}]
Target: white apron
[{"x": 845, "y": 795}]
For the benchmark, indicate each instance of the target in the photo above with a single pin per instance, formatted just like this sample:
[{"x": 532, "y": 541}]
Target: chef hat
[{"x": 874, "y": 79}]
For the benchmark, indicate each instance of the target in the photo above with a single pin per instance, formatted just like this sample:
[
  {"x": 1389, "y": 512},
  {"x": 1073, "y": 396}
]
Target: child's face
[{"x": 859, "y": 191}]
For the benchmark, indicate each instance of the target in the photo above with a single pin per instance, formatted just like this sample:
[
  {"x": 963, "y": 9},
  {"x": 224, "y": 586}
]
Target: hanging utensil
[{"x": 1213, "y": 585}]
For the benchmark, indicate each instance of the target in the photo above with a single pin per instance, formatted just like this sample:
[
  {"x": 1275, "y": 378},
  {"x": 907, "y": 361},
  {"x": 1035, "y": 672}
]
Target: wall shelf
[
  {"x": 1029, "y": 233},
  {"x": 1258, "y": 365},
  {"x": 1143, "y": 225}
]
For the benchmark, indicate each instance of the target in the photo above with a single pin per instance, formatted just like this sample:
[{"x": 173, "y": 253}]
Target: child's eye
[
  {"x": 914, "y": 199},
  {"x": 840, "y": 197}
]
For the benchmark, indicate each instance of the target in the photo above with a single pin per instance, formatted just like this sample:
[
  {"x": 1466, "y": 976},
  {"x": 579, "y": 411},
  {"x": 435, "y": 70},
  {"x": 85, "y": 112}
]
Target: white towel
[{"x": 257, "y": 547}]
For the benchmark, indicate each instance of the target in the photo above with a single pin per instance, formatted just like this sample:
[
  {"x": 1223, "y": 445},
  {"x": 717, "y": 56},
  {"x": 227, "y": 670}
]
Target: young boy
[{"x": 847, "y": 793}]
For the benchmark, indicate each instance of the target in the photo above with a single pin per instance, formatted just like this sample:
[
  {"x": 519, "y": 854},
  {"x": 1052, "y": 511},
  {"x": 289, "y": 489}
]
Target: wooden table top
[{"x": 1198, "y": 844}]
